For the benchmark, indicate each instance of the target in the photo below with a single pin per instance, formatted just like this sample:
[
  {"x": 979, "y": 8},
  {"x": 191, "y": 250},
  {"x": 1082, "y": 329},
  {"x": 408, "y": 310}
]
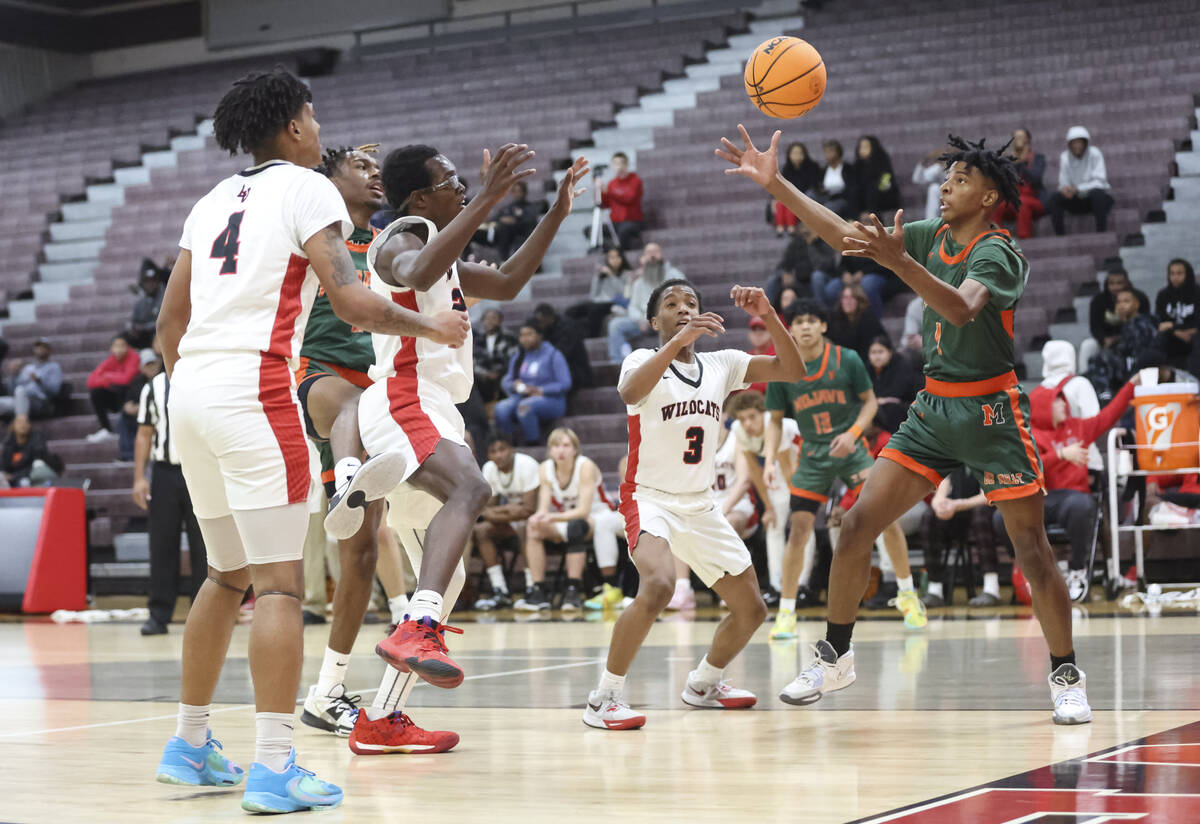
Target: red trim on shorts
[
  {"x": 404, "y": 401},
  {"x": 970, "y": 389},
  {"x": 279, "y": 405},
  {"x": 284, "y": 328},
  {"x": 911, "y": 465},
  {"x": 628, "y": 507},
  {"x": 804, "y": 493},
  {"x": 1014, "y": 401},
  {"x": 1011, "y": 492}
]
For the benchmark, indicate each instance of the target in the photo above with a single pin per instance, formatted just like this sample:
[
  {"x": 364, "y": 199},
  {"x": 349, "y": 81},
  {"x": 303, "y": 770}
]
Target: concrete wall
[{"x": 28, "y": 75}]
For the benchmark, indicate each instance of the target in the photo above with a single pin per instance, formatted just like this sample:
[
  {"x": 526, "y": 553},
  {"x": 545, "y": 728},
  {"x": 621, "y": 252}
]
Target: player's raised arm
[
  {"x": 637, "y": 384},
  {"x": 507, "y": 282},
  {"x": 763, "y": 168},
  {"x": 786, "y": 364},
  {"x": 176, "y": 310},
  {"x": 354, "y": 303}
]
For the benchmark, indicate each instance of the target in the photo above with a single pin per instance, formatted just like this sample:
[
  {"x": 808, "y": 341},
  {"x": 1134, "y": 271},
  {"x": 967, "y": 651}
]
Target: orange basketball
[{"x": 785, "y": 77}]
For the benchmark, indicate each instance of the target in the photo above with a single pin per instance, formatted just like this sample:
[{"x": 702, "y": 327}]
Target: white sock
[
  {"x": 683, "y": 585},
  {"x": 390, "y": 688},
  {"x": 397, "y": 607},
  {"x": 935, "y": 588},
  {"x": 787, "y": 604},
  {"x": 810, "y": 559},
  {"x": 528, "y": 579},
  {"x": 425, "y": 603},
  {"x": 991, "y": 583},
  {"x": 706, "y": 673},
  {"x": 904, "y": 584},
  {"x": 273, "y": 742},
  {"x": 333, "y": 671},
  {"x": 192, "y": 724},
  {"x": 611, "y": 683},
  {"x": 496, "y": 576},
  {"x": 344, "y": 470}
]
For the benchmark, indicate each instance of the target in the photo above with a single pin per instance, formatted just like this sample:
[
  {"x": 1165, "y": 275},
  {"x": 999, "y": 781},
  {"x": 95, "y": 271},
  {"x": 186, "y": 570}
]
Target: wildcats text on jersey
[{"x": 694, "y": 407}]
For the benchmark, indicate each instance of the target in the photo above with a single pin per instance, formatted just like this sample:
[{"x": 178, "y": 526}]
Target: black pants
[
  {"x": 973, "y": 527},
  {"x": 107, "y": 399},
  {"x": 629, "y": 233},
  {"x": 170, "y": 513},
  {"x": 1097, "y": 201},
  {"x": 1075, "y": 512}
]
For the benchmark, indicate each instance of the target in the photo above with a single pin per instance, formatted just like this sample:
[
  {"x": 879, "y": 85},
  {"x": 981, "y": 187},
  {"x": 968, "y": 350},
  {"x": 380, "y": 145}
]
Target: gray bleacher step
[
  {"x": 78, "y": 230},
  {"x": 691, "y": 85},
  {"x": 87, "y": 210},
  {"x": 160, "y": 160},
  {"x": 49, "y": 292},
  {"x": 121, "y": 569},
  {"x": 113, "y": 193},
  {"x": 68, "y": 272},
  {"x": 646, "y": 118},
  {"x": 132, "y": 176},
  {"x": 135, "y": 546},
  {"x": 63, "y": 251}
]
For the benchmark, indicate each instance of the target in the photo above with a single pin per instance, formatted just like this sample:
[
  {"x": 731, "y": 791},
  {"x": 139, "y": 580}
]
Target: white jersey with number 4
[
  {"x": 673, "y": 431},
  {"x": 252, "y": 287},
  {"x": 417, "y": 362}
]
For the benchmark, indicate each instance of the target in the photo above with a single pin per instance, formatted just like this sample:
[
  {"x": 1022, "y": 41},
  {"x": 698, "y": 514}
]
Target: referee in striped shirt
[{"x": 166, "y": 497}]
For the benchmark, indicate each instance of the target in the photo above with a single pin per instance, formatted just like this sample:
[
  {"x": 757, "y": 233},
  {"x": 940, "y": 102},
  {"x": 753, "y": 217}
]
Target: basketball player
[
  {"x": 410, "y": 409},
  {"x": 230, "y": 326},
  {"x": 972, "y": 412},
  {"x": 831, "y": 406},
  {"x": 674, "y": 397}
]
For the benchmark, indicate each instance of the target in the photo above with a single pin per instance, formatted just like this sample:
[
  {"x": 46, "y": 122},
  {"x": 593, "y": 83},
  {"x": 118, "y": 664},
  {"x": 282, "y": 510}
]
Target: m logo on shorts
[{"x": 993, "y": 413}]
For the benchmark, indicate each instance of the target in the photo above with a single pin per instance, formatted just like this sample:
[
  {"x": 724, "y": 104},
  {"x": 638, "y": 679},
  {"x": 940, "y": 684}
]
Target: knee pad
[{"x": 577, "y": 530}]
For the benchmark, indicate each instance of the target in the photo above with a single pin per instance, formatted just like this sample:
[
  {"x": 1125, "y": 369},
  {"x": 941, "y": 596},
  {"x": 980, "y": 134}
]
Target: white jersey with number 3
[
  {"x": 252, "y": 287},
  {"x": 419, "y": 361},
  {"x": 673, "y": 431}
]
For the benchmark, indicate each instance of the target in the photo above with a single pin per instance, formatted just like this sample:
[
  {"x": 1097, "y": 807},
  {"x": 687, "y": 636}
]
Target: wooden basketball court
[{"x": 952, "y": 722}]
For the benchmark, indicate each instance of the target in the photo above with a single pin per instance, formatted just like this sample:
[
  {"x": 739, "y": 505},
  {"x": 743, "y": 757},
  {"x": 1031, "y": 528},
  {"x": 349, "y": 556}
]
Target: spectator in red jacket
[
  {"x": 109, "y": 383},
  {"x": 1063, "y": 442},
  {"x": 622, "y": 196}
]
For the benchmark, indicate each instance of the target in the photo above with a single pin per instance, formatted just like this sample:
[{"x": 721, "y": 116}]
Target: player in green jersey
[
  {"x": 972, "y": 412},
  {"x": 831, "y": 405}
]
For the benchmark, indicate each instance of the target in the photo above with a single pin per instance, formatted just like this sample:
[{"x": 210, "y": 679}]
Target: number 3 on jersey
[
  {"x": 226, "y": 245},
  {"x": 695, "y": 450},
  {"x": 457, "y": 302}
]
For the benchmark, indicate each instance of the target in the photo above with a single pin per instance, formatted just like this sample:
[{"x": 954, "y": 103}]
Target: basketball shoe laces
[
  {"x": 814, "y": 674},
  {"x": 433, "y": 635},
  {"x": 345, "y": 703},
  {"x": 1071, "y": 696}
]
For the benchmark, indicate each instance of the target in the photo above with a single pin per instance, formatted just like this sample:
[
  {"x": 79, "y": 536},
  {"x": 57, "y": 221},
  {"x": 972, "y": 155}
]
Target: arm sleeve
[
  {"x": 129, "y": 367},
  {"x": 53, "y": 379},
  {"x": 98, "y": 377},
  {"x": 1095, "y": 426},
  {"x": 560, "y": 383},
  {"x": 506, "y": 383},
  {"x": 1064, "y": 178},
  {"x": 1097, "y": 175},
  {"x": 1160, "y": 306},
  {"x": 530, "y": 477},
  {"x": 146, "y": 412},
  {"x": 314, "y": 203}
]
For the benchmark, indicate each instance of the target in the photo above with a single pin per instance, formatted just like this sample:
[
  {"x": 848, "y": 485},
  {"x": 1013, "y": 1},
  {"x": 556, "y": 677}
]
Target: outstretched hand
[
  {"x": 761, "y": 167},
  {"x": 884, "y": 247},
  {"x": 752, "y": 299},
  {"x": 709, "y": 323},
  {"x": 505, "y": 169},
  {"x": 569, "y": 188}
]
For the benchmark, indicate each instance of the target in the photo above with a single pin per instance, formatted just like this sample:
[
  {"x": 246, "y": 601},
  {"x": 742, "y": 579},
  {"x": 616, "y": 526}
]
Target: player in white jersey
[
  {"x": 514, "y": 478},
  {"x": 732, "y": 484},
  {"x": 674, "y": 398},
  {"x": 573, "y": 509},
  {"x": 410, "y": 409},
  {"x": 252, "y": 253}
]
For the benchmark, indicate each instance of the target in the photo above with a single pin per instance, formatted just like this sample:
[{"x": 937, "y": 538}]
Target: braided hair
[
  {"x": 332, "y": 160},
  {"x": 257, "y": 108},
  {"x": 993, "y": 164}
]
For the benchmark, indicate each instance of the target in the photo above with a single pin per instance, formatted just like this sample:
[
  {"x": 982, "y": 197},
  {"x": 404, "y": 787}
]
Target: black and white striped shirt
[{"x": 152, "y": 411}]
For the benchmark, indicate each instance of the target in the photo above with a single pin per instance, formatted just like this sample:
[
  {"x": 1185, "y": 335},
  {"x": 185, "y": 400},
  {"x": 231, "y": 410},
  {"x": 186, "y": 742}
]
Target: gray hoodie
[{"x": 1084, "y": 173}]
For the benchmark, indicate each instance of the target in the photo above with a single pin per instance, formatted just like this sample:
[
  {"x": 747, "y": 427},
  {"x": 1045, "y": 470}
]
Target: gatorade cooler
[{"x": 1168, "y": 426}]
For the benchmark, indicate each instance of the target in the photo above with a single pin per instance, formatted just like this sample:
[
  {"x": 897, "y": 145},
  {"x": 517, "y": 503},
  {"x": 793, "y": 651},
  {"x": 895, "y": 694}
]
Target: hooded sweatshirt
[
  {"x": 1051, "y": 439},
  {"x": 1181, "y": 306},
  {"x": 1058, "y": 375},
  {"x": 1084, "y": 173}
]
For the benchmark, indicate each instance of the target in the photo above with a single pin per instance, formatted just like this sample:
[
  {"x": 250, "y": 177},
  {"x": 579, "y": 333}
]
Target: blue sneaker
[
  {"x": 184, "y": 764},
  {"x": 290, "y": 791}
]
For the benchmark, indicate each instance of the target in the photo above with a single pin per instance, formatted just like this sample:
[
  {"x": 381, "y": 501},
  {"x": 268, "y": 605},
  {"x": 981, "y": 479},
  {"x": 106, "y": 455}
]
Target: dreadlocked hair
[
  {"x": 993, "y": 164},
  {"x": 332, "y": 160},
  {"x": 257, "y": 108},
  {"x": 404, "y": 172}
]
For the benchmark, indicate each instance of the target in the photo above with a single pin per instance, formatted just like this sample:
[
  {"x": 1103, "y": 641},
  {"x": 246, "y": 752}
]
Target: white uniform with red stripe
[
  {"x": 726, "y": 467},
  {"x": 564, "y": 499},
  {"x": 411, "y": 405},
  {"x": 234, "y": 412},
  {"x": 673, "y": 437}
]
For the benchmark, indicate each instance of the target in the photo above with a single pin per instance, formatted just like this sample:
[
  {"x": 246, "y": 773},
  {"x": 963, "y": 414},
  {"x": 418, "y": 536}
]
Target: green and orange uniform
[
  {"x": 824, "y": 403},
  {"x": 972, "y": 411}
]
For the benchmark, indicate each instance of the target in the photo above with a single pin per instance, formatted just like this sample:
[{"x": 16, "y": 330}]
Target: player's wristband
[{"x": 856, "y": 431}]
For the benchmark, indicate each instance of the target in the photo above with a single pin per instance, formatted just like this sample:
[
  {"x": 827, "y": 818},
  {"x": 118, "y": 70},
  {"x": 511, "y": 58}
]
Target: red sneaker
[
  {"x": 396, "y": 732},
  {"x": 420, "y": 647}
]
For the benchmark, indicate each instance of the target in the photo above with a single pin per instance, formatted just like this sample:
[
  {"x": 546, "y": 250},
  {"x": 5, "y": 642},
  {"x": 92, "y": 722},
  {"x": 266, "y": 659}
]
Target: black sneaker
[
  {"x": 931, "y": 600},
  {"x": 572, "y": 600},
  {"x": 153, "y": 626},
  {"x": 805, "y": 597},
  {"x": 886, "y": 593},
  {"x": 310, "y": 618},
  {"x": 497, "y": 600},
  {"x": 534, "y": 600},
  {"x": 770, "y": 597}
]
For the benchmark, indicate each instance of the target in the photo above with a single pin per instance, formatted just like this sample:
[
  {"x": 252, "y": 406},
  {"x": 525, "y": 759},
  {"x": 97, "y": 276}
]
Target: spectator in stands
[
  {"x": 959, "y": 512},
  {"x": 622, "y": 196},
  {"x": 807, "y": 265},
  {"x": 875, "y": 188},
  {"x": 1031, "y": 166},
  {"x": 145, "y": 310},
  {"x": 852, "y": 323},
  {"x": 930, "y": 172},
  {"x": 515, "y": 221},
  {"x": 149, "y": 365},
  {"x": 837, "y": 182},
  {"x": 108, "y": 384},
  {"x": 25, "y": 459},
  {"x": 494, "y": 348},
  {"x": 607, "y": 290},
  {"x": 35, "y": 386},
  {"x": 1058, "y": 375},
  {"x": 1137, "y": 340},
  {"x": 514, "y": 480},
  {"x": 567, "y": 340},
  {"x": 1103, "y": 322},
  {"x": 1082, "y": 182},
  {"x": 626, "y": 330},
  {"x": 787, "y": 299},
  {"x": 895, "y": 382},
  {"x": 536, "y": 384},
  {"x": 801, "y": 171},
  {"x": 1177, "y": 308},
  {"x": 1063, "y": 443}
]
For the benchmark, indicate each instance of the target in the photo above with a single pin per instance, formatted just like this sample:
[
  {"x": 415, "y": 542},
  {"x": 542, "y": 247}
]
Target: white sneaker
[
  {"x": 608, "y": 711},
  {"x": 827, "y": 673},
  {"x": 100, "y": 436},
  {"x": 335, "y": 712},
  {"x": 377, "y": 477},
  {"x": 1068, "y": 691},
  {"x": 719, "y": 696},
  {"x": 682, "y": 600},
  {"x": 1077, "y": 584}
]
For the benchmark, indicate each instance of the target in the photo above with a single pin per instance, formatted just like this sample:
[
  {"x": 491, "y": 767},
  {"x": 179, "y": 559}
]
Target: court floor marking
[{"x": 369, "y": 691}]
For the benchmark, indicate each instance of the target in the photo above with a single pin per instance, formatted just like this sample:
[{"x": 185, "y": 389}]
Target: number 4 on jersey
[{"x": 226, "y": 245}]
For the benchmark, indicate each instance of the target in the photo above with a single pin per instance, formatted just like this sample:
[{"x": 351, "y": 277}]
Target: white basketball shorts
[{"x": 393, "y": 420}]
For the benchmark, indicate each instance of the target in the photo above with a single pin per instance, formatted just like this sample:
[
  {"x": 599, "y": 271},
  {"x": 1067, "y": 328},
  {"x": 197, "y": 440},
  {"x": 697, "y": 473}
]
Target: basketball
[{"x": 785, "y": 77}]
